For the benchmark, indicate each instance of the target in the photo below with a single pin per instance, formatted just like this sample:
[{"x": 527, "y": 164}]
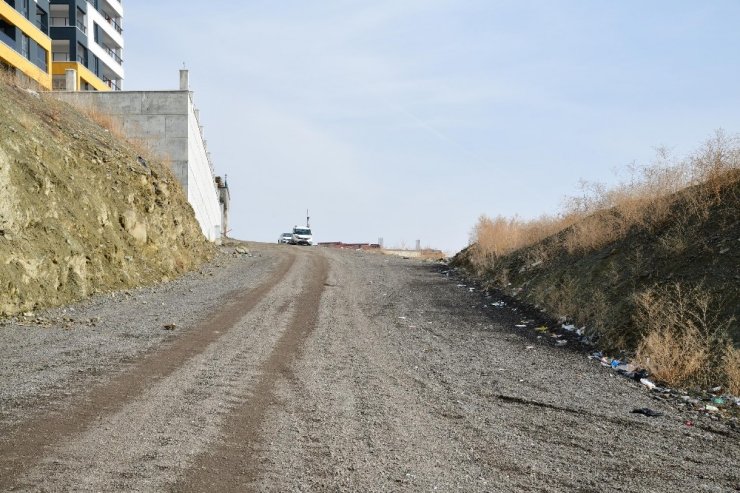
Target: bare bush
[{"x": 684, "y": 337}]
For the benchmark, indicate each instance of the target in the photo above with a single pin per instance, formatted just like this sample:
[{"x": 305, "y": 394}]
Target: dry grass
[
  {"x": 109, "y": 122},
  {"x": 731, "y": 369},
  {"x": 601, "y": 215},
  {"x": 684, "y": 339},
  {"x": 115, "y": 126},
  {"x": 19, "y": 79}
]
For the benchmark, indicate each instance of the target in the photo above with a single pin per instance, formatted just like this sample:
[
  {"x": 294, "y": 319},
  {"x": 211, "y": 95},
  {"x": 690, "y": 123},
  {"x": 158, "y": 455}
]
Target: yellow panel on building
[{"x": 84, "y": 75}]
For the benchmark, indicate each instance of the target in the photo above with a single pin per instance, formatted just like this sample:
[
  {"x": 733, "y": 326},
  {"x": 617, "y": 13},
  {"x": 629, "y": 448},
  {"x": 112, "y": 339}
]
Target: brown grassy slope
[
  {"x": 78, "y": 212},
  {"x": 597, "y": 287},
  {"x": 659, "y": 283}
]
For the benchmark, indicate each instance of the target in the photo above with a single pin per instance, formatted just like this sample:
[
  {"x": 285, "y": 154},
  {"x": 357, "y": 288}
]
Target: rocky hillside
[{"x": 81, "y": 209}]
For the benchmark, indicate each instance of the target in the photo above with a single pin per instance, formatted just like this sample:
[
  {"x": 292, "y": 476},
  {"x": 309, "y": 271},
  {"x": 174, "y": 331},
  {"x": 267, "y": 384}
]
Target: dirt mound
[{"x": 81, "y": 211}]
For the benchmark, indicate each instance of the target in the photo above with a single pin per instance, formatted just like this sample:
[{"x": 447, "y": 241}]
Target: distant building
[
  {"x": 64, "y": 44},
  {"x": 87, "y": 36},
  {"x": 25, "y": 45}
]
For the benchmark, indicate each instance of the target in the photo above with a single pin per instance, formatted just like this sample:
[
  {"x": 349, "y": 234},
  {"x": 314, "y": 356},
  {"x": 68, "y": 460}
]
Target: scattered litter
[
  {"x": 711, "y": 409},
  {"x": 688, "y": 422},
  {"x": 718, "y": 400},
  {"x": 520, "y": 326},
  {"x": 647, "y": 412},
  {"x": 471, "y": 289},
  {"x": 569, "y": 328},
  {"x": 402, "y": 318},
  {"x": 529, "y": 347},
  {"x": 647, "y": 383},
  {"x": 169, "y": 326},
  {"x": 498, "y": 304},
  {"x": 461, "y": 285},
  {"x": 541, "y": 329},
  {"x": 615, "y": 363},
  {"x": 717, "y": 389},
  {"x": 561, "y": 342}
]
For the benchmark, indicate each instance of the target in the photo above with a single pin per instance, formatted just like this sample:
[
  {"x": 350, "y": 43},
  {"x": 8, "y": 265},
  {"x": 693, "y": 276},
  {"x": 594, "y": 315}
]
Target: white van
[{"x": 301, "y": 236}]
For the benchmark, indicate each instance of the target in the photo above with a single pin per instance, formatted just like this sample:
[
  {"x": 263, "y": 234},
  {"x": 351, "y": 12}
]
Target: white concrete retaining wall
[
  {"x": 202, "y": 192},
  {"x": 166, "y": 121}
]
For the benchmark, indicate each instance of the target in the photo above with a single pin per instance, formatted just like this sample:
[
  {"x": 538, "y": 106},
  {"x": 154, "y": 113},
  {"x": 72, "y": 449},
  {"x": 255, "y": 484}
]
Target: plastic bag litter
[{"x": 647, "y": 383}]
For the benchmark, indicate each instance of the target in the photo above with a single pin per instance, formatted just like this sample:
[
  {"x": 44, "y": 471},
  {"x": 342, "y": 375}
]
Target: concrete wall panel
[
  {"x": 176, "y": 125},
  {"x": 145, "y": 126},
  {"x": 180, "y": 170},
  {"x": 165, "y": 103}
]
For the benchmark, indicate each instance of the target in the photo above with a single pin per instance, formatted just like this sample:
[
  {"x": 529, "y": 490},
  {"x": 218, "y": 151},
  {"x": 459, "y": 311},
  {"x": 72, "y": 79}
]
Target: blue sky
[{"x": 408, "y": 119}]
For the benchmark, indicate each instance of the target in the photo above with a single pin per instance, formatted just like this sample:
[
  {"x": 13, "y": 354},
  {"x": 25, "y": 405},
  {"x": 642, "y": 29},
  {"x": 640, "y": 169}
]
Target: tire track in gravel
[
  {"x": 234, "y": 464},
  {"x": 24, "y": 445}
]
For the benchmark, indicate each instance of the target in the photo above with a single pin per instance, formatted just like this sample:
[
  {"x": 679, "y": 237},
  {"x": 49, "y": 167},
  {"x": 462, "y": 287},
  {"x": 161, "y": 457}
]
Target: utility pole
[{"x": 308, "y": 220}]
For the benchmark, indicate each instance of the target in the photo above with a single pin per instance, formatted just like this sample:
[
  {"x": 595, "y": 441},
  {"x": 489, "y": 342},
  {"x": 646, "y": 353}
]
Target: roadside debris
[
  {"x": 647, "y": 383},
  {"x": 647, "y": 412},
  {"x": 169, "y": 326}
]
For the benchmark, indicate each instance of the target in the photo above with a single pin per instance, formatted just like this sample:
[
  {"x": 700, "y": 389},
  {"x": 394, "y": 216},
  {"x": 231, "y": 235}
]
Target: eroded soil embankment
[{"x": 81, "y": 210}]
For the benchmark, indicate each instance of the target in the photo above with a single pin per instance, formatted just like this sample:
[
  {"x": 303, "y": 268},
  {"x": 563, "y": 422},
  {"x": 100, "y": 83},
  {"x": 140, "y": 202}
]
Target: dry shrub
[
  {"x": 18, "y": 79},
  {"x": 500, "y": 236},
  {"x": 115, "y": 126},
  {"x": 590, "y": 233},
  {"x": 731, "y": 369},
  {"x": 105, "y": 120},
  {"x": 684, "y": 339},
  {"x": 600, "y": 215}
]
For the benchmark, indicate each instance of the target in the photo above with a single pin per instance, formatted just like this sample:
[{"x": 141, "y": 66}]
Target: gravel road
[{"x": 307, "y": 369}]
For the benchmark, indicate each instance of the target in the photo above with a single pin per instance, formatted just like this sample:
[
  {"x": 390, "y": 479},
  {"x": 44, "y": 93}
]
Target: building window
[
  {"x": 7, "y": 34},
  {"x": 25, "y": 46},
  {"x": 23, "y": 8},
  {"x": 39, "y": 56},
  {"x": 42, "y": 20},
  {"x": 82, "y": 54},
  {"x": 59, "y": 83},
  {"x": 81, "y": 18}
]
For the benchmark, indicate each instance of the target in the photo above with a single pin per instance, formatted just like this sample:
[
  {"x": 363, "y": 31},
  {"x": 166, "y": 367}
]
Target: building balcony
[
  {"x": 64, "y": 22},
  {"x": 111, "y": 8}
]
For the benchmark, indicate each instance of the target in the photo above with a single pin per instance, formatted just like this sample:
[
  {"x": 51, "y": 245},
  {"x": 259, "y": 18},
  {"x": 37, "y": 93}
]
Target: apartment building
[
  {"x": 24, "y": 39},
  {"x": 46, "y": 39},
  {"x": 87, "y": 36}
]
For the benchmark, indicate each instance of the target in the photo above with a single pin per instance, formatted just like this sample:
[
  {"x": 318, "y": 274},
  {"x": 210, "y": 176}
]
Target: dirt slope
[
  {"x": 597, "y": 288},
  {"x": 79, "y": 211}
]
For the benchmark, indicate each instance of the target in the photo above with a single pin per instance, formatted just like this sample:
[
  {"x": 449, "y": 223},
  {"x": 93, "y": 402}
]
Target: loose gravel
[{"x": 387, "y": 375}]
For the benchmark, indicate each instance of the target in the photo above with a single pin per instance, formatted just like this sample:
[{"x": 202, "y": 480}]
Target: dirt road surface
[{"x": 307, "y": 369}]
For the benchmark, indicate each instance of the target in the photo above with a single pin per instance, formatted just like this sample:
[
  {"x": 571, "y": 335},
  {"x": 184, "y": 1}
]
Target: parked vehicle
[
  {"x": 301, "y": 236},
  {"x": 285, "y": 238}
]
